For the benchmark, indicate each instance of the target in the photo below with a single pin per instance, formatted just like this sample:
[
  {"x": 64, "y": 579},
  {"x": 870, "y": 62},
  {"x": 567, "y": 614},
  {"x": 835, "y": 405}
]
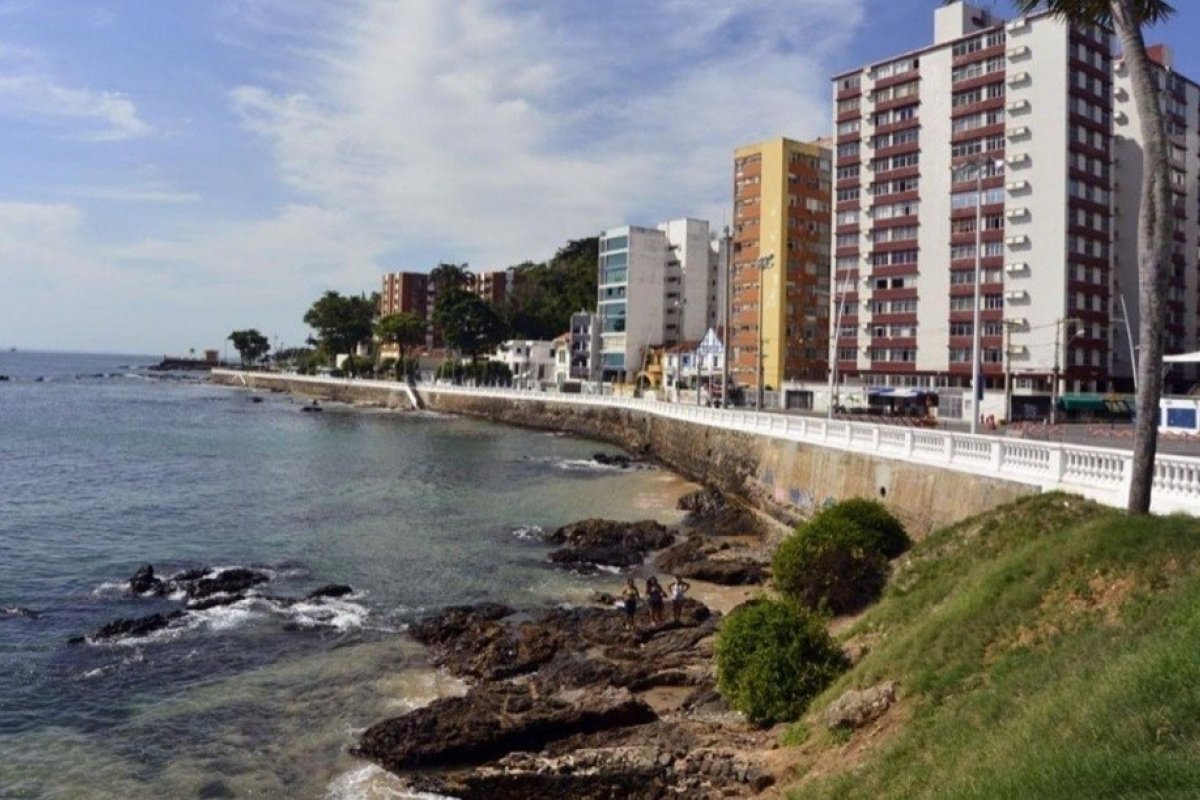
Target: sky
[{"x": 173, "y": 170}]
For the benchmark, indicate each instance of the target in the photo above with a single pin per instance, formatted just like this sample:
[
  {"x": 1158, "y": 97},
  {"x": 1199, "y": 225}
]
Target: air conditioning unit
[
  {"x": 1017, "y": 106},
  {"x": 1016, "y": 266},
  {"x": 1016, "y": 322},
  {"x": 1016, "y": 213},
  {"x": 1015, "y": 241},
  {"x": 1016, "y": 294},
  {"x": 1017, "y": 186},
  {"x": 1018, "y": 24},
  {"x": 1120, "y": 118},
  {"x": 1020, "y": 51},
  {"x": 1019, "y": 132},
  {"x": 1017, "y": 159},
  {"x": 1019, "y": 77}
]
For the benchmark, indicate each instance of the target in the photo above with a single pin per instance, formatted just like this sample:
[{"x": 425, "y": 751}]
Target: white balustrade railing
[{"x": 1101, "y": 474}]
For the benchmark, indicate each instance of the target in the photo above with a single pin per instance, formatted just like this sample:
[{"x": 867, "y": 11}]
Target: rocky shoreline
[{"x": 568, "y": 702}]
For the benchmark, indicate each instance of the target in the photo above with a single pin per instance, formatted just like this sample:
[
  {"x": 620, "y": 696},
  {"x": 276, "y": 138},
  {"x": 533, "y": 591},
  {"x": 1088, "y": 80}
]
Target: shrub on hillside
[
  {"x": 890, "y": 536},
  {"x": 772, "y": 658},
  {"x": 830, "y": 564}
]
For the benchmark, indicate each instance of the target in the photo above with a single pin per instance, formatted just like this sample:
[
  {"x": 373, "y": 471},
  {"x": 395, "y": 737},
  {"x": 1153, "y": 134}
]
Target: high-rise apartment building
[
  {"x": 494, "y": 287},
  {"x": 405, "y": 292},
  {"x": 1180, "y": 99},
  {"x": 654, "y": 288},
  {"x": 992, "y": 146},
  {"x": 781, "y": 191}
]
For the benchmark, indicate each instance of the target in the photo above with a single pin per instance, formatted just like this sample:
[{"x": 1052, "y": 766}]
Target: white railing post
[{"x": 909, "y": 438}]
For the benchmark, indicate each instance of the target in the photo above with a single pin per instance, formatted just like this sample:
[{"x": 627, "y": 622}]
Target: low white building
[
  {"x": 693, "y": 364},
  {"x": 532, "y": 361}
]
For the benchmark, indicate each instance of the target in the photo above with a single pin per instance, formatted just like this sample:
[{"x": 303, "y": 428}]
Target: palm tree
[{"x": 1155, "y": 222}]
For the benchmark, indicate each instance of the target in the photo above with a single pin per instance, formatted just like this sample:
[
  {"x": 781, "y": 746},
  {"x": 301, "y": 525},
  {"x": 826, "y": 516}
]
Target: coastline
[{"x": 730, "y": 758}]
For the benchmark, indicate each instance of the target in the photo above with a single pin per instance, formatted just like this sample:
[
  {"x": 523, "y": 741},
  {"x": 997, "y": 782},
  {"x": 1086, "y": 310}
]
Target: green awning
[
  {"x": 1083, "y": 402},
  {"x": 1092, "y": 403}
]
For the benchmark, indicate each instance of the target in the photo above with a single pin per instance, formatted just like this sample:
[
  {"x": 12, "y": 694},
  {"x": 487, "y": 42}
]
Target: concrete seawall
[{"x": 785, "y": 479}]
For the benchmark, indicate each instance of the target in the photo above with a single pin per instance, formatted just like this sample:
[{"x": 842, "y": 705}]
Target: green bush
[
  {"x": 772, "y": 658},
  {"x": 830, "y": 564},
  {"x": 890, "y": 536}
]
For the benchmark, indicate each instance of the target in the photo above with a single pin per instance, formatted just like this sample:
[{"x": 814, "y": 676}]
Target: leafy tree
[
  {"x": 342, "y": 323},
  {"x": 470, "y": 325},
  {"x": 406, "y": 330},
  {"x": 773, "y": 657},
  {"x": 1155, "y": 218},
  {"x": 545, "y": 295},
  {"x": 890, "y": 538},
  {"x": 250, "y": 344}
]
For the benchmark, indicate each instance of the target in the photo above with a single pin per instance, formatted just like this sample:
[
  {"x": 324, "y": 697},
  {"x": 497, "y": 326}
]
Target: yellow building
[{"x": 781, "y": 210}]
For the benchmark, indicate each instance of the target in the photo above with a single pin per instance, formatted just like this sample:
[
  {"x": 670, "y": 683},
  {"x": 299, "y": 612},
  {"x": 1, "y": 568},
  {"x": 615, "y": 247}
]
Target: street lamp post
[
  {"x": 763, "y": 265},
  {"x": 976, "y": 394},
  {"x": 840, "y": 299}
]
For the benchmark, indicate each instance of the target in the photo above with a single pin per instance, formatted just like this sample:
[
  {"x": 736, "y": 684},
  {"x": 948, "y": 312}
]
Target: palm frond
[{"x": 1095, "y": 12}]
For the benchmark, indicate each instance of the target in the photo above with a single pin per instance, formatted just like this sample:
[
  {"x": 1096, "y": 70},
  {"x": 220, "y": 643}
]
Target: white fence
[{"x": 1099, "y": 473}]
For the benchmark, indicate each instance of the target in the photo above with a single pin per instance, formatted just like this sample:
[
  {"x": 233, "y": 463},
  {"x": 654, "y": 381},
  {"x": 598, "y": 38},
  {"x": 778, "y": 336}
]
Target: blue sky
[{"x": 175, "y": 169}]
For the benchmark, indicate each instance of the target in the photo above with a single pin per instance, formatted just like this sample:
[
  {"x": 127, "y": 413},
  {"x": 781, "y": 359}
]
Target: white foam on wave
[
  {"x": 374, "y": 783},
  {"x": 110, "y": 588},
  {"x": 340, "y": 613},
  {"x": 527, "y": 533},
  {"x": 609, "y": 569}
]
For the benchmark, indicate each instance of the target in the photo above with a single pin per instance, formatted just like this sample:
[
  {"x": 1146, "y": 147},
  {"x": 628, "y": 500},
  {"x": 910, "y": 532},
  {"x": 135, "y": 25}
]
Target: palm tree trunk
[{"x": 1155, "y": 227}]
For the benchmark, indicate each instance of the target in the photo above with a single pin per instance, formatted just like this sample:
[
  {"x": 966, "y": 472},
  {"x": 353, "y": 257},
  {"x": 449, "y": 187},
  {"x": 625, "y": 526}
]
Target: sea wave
[
  {"x": 370, "y": 782},
  {"x": 529, "y": 533}
]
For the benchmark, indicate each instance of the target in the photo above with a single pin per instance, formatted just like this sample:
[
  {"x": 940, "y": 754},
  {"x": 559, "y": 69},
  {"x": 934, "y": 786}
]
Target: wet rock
[
  {"x": 230, "y": 581},
  {"x": 494, "y": 720},
  {"x": 702, "y": 503},
  {"x": 212, "y": 601},
  {"x": 619, "y": 460},
  {"x": 144, "y": 581},
  {"x": 330, "y": 590},
  {"x": 856, "y": 708},
  {"x": 614, "y": 544},
  {"x": 140, "y": 626}
]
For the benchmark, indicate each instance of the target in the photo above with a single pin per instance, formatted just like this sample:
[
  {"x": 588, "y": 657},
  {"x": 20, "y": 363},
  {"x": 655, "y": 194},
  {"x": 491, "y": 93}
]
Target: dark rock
[
  {"x": 230, "y": 581},
  {"x": 702, "y": 502},
  {"x": 456, "y": 621},
  {"x": 190, "y": 575},
  {"x": 482, "y": 726},
  {"x": 724, "y": 571},
  {"x": 646, "y": 534},
  {"x": 614, "y": 544},
  {"x": 615, "y": 460},
  {"x": 330, "y": 590},
  {"x": 256, "y": 399},
  {"x": 690, "y": 559},
  {"x": 144, "y": 581},
  {"x": 215, "y": 790},
  {"x": 136, "y": 627}
]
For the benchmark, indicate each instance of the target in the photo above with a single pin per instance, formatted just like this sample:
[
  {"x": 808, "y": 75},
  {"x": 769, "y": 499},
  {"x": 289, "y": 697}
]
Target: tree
[
  {"x": 543, "y": 296},
  {"x": 406, "y": 330},
  {"x": 469, "y": 325},
  {"x": 342, "y": 323},
  {"x": 250, "y": 344},
  {"x": 1155, "y": 219}
]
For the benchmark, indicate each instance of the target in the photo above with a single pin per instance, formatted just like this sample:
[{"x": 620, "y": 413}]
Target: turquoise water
[{"x": 104, "y": 467}]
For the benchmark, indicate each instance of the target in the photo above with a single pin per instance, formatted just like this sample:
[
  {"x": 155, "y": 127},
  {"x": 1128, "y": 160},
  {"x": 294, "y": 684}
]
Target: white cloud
[
  {"x": 500, "y": 132},
  {"x": 27, "y": 91}
]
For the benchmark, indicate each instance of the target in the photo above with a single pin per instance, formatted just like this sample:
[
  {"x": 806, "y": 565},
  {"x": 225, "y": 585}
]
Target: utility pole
[
  {"x": 763, "y": 265},
  {"x": 726, "y": 333},
  {"x": 1058, "y": 343},
  {"x": 976, "y": 389}
]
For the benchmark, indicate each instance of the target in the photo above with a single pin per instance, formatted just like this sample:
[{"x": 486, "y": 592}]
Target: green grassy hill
[{"x": 1049, "y": 649}]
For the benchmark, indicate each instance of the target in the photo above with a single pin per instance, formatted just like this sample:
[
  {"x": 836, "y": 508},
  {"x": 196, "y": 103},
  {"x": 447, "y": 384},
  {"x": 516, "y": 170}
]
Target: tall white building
[
  {"x": 992, "y": 142},
  {"x": 655, "y": 287},
  {"x": 1180, "y": 99}
]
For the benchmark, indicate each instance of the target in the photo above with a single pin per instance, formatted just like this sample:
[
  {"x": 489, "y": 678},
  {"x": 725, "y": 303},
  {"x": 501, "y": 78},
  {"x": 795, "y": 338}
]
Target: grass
[{"x": 1049, "y": 649}]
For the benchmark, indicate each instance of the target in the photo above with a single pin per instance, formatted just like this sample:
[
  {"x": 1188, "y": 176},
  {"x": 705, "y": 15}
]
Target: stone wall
[
  {"x": 788, "y": 480},
  {"x": 785, "y": 479}
]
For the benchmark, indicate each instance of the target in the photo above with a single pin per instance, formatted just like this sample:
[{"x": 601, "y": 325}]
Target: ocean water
[{"x": 105, "y": 466}]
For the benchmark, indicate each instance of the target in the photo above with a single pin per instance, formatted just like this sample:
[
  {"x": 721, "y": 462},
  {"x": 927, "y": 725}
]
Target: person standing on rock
[
  {"x": 654, "y": 599},
  {"x": 629, "y": 602},
  {"x": 678, "y": 590}
]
